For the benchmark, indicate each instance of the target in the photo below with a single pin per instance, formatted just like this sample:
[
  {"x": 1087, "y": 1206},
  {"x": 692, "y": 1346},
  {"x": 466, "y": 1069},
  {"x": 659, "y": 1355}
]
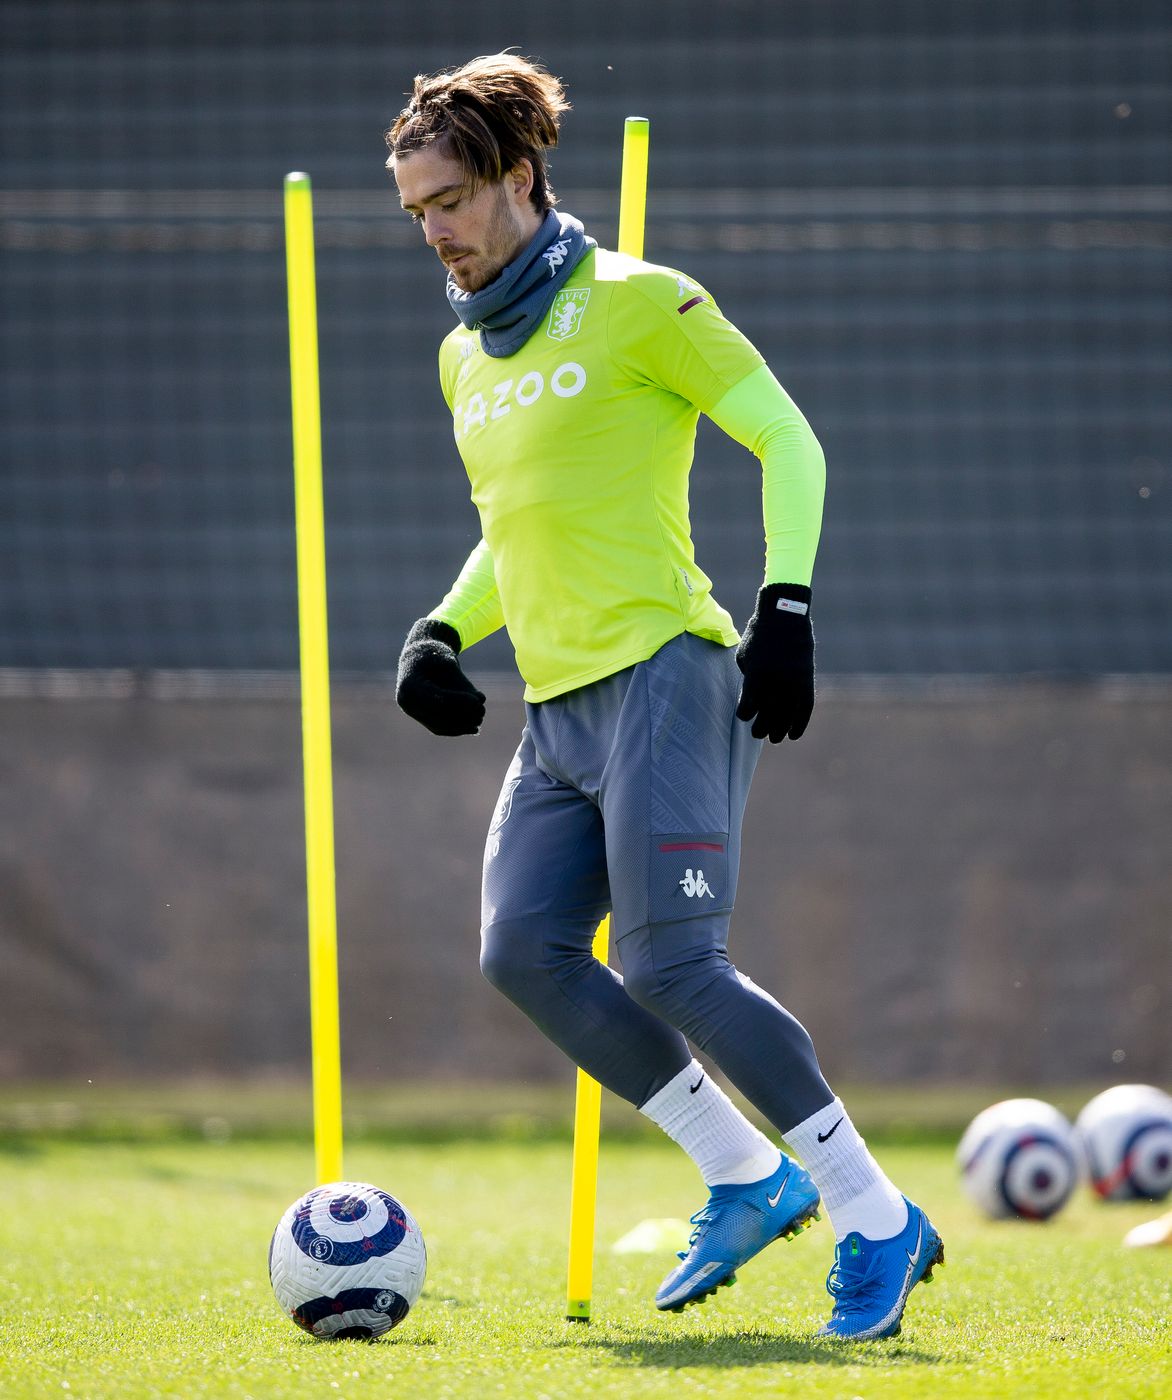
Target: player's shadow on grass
[
  {"x": 745, "y": 1349},
  {"x": 185, "y": 1176}
]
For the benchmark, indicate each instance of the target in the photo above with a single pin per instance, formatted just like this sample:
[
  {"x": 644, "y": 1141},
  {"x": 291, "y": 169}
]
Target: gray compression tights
[{"x": 628, "y": 1032}]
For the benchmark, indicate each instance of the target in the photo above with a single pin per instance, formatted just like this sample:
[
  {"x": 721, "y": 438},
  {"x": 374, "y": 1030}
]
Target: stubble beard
[{"x": 501, "y": 246}]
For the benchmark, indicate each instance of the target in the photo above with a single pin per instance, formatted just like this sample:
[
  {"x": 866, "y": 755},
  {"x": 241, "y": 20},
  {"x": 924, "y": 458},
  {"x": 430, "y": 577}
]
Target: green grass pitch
[{"x": 138, "y": 1269}]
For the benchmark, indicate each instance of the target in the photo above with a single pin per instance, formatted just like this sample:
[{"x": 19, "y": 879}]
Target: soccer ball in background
[
  {"x": 1125, "y": 1135},
  {"x": 1019, "y": 1157},
  {"x": 347, "y": 1260}
]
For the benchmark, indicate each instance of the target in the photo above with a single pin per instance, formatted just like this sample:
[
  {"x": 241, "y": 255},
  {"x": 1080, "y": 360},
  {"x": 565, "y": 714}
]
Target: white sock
[
  {"x": 700, "y": 1116},
  {"x": 855, "y": 1192}
]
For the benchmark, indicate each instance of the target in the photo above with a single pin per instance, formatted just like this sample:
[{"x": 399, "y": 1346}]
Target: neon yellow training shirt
[{"x": 578, "y": 449}]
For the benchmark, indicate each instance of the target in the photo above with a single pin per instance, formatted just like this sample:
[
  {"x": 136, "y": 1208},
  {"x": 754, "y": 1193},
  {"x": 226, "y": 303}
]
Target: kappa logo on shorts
[
  {"x": 681, "y": 887},
  {"x": 695, "y": 886},
  {"x": 565, "y": 319}
]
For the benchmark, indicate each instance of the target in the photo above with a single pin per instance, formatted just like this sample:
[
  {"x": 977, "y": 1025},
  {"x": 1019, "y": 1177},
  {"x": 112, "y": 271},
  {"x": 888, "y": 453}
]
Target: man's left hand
[{"x": 776, "y": 657}]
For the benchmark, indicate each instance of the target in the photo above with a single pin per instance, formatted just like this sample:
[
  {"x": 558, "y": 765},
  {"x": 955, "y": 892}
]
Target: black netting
[{"x": 948, "y": 227}]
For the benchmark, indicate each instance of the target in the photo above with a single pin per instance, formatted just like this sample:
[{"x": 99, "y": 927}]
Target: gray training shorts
[{"x": 627, "y": 795}]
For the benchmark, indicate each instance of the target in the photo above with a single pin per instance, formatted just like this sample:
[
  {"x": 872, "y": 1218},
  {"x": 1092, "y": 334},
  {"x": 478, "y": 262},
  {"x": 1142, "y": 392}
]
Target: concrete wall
[{"x": 971, "y": 884}]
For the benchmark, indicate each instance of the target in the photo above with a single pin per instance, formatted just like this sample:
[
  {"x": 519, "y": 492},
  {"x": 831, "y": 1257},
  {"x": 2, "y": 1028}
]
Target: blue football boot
[
  {"x": 871, "y": 1279},
  {"x": 738, "y": 1222}
]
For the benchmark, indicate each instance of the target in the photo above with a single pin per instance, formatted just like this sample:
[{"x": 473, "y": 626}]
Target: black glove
[
  {"x": 776, "y": 657},
  {"x": 431, "y": 686}
]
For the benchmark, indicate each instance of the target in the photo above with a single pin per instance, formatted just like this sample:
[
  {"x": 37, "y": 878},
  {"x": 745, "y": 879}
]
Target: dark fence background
[
  {"x": 949, "y": 229},
  {"x": 947, "y": 226}
]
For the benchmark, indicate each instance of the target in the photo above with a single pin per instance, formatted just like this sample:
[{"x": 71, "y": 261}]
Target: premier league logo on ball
[{"x": 347, "y": 1260}]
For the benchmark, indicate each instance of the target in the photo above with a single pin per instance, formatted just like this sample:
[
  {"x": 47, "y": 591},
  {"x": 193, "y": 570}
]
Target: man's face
[{"x": 475, "y": 234}]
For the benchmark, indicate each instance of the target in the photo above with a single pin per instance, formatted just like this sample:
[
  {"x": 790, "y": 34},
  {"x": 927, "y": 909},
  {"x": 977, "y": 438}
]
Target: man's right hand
[{"x": 431, "y": 686}]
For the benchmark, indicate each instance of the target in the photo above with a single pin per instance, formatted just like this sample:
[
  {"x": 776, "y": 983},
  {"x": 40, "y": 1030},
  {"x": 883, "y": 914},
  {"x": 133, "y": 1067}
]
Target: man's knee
[
  {"x": 666, "y": 968},
  {"x": 522, "y": 956},
  {"x": 507, "y": 955}
]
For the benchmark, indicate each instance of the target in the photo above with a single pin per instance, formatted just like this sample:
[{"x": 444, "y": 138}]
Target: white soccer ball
[
  {"x": 1126, "y": 1138},
  {"x": 1019, "y": 1157},
  {"x": 347, "y": 1260}
]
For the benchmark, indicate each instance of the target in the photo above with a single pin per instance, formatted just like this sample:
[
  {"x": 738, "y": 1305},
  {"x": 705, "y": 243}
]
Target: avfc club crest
[{"x": 565, "y": 317}]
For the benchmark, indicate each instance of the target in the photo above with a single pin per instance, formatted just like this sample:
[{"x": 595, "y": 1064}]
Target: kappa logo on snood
[{"x": 555, "y": 255}]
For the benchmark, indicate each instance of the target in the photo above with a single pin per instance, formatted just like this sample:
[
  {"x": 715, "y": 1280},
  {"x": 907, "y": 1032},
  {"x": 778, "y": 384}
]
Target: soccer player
[{"x": 575, "y": 379}]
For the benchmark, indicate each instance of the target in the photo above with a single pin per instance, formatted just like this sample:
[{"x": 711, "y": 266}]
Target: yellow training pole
[
  {"x": 584, "y": 1176},
  {"x": 315, "y": 680},
  {"x": 633, "y": 190},
  {"x": 588, "y": 1102}
]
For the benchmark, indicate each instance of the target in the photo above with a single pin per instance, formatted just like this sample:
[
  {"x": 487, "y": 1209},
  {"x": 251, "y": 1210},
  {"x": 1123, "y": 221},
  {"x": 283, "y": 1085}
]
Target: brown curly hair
[{"x": 490, "y": 114}]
